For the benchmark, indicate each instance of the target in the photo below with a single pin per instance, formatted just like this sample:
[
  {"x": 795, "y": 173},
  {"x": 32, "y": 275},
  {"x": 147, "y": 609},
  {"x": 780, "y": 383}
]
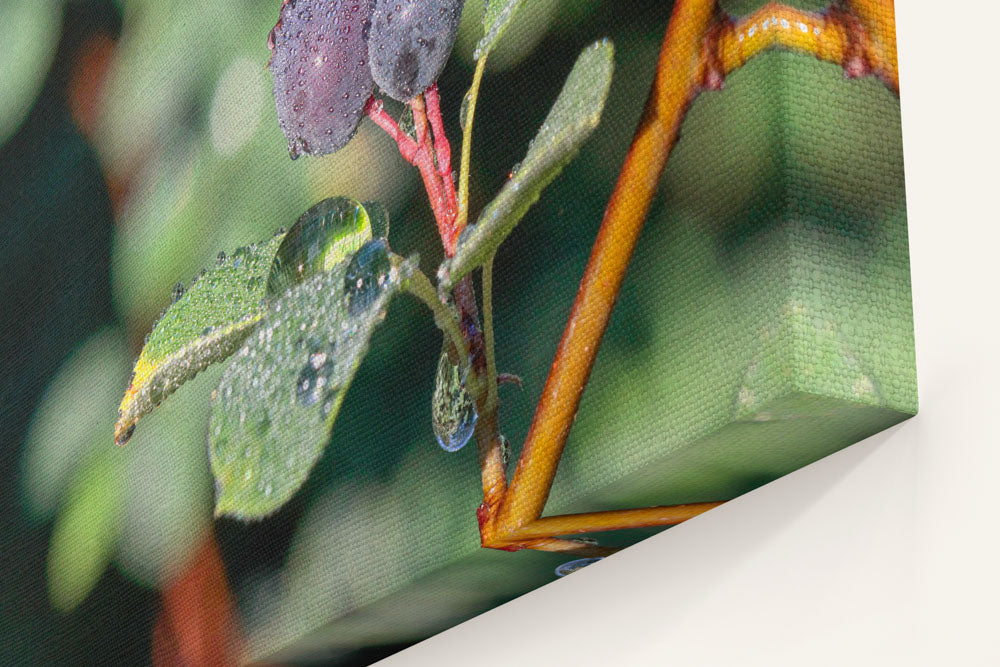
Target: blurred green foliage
[
  {"x": 154, "y": 494},
  {"x": 29, "y": 31},
  {"x": 187, "y": 131}
]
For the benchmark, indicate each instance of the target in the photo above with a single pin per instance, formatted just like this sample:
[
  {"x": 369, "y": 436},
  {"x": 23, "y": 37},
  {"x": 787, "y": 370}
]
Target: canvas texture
[{"x": 764, "y": 322}]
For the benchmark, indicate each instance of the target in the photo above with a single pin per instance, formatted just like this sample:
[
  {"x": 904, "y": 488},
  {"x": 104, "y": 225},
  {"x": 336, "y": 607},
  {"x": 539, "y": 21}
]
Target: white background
[{"x": 885, "y": 553}]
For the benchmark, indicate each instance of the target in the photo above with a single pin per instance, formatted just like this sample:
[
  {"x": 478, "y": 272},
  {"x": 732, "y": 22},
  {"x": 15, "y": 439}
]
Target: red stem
[
  {"x": 443, "y": 153},
  {"x": 407, "y": 147},
  {"x": 421, "y": 153},
  {"x": 419, "y": 119},
  {"x": 441, "y": 145}
]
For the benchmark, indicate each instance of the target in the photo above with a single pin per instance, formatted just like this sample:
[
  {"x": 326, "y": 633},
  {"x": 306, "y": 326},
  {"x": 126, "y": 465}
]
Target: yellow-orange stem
[
  {"x": 700, "y": 48},
  {"x": 777, "y": 25},
  {"x": 491, "y": 464},
  {"x": 679, "y": 66},
  {"x": 879, "y": 19},
  {"x": 593, "y": 522}
]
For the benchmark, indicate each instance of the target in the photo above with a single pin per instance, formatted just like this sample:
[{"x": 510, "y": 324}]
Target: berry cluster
[{"x": 327, "y": 56}]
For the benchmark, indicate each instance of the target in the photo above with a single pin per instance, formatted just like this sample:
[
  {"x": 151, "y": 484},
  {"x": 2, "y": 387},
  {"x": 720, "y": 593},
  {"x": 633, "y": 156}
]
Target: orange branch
[
  {"x": 879, "y": 20},
  {"x": 678, "y": 69},
  {"x": 701, "y": 46},
  {"x": 862, "y": 40},
  {"x": 491, "y": 465},
  {"x": 777, "y": 25},
  {"x": 593, "y": 522},
  {"x": 557, "y": 545}
]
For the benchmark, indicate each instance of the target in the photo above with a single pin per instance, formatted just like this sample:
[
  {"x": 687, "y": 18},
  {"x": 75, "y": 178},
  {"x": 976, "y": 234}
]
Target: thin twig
[
  {"x": 442, "y": 152},
  {"x": 440, "y": 191},
  {"x": 491, "y": 361},
  {"x": 463, "y": 174},
  {"x": 407, "y": 147},
  {"x": 419, "y": 119},
  {"x": 442, "y": 149},
  {"x": 420, "y": 286},
  {"x": 492, "y": 465},
  {"x": 592, "y": 522}
]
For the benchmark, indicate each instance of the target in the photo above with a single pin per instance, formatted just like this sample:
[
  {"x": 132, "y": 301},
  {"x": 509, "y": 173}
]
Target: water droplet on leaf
[
  {"x": 453, "y": 412},
  {"x": 317, "y": 359},
  {"x": 314, "y": 379},
  {"x": 366, "y": 275},
  {"x": 321, "y": 238},
  {"x": 463, "y": 111},
  {"x": 574, "y": 565}
]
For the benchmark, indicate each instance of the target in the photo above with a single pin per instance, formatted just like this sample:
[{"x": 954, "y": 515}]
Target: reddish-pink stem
[
  {"x": 421, "y": 153},
  {"x": 407, "y": 147},
  {"x": 441, "y": 145},
  {"x": 432, "y": 180},
  {"x": 432, "y": 183},
  {"x": 443, "y": 152}
]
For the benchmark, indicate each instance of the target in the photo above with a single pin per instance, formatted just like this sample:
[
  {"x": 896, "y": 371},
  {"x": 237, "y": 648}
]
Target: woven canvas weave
[{"x": 764, "y": 321}]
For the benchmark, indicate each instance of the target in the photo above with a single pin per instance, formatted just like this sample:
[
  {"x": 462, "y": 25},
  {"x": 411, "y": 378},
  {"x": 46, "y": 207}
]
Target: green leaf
[
  {"x": 496, "y": 18},
  {"x": 85, "y": 533},
  {"x": 205, "y": 324},
  {"x": 276, "y": 404},
  {"x": 570, "y": 121},
  {"x": 378, "y": 217}
]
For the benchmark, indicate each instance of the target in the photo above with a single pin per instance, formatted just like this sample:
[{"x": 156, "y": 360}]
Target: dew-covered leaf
[
  {"x": 570, "y": 121},
  {"x": 321, "y": 238},
  {"x": 206, "y": 323},
  {"x": 274, "y": 408},
  {"x": 496, "y": 18}
]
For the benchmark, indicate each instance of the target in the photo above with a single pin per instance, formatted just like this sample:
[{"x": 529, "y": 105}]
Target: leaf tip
[
  {"x": 225, "y": 505},
  {"x": 124, "y": 428}
]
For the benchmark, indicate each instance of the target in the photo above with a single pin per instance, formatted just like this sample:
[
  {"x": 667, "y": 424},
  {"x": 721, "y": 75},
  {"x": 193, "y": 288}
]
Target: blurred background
[{"x": 138, "y": 138}]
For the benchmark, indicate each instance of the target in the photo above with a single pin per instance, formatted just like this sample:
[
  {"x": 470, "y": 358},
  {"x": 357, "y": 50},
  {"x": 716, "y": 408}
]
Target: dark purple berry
[
  {"x": 321, "y": 76},
  {"x": 410, "y": 42}
]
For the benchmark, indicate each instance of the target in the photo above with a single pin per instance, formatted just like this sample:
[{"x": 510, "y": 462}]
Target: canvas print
[{"x": 330, "y": 324}]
